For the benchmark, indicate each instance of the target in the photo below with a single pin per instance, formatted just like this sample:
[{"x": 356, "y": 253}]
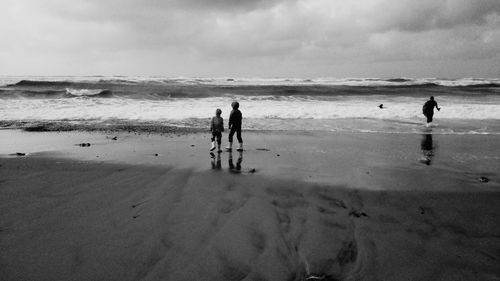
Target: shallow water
[{"x": 469, "y": 106}]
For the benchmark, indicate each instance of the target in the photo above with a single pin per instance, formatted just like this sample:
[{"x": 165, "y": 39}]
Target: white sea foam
[
  {"x": 83, "y": 92},
  {"x": 396, "y": 108}
]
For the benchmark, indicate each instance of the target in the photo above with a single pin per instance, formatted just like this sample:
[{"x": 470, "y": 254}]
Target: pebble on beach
[
  {"x": 484, "y": 179},
  {"x": 357, "y": 214}
]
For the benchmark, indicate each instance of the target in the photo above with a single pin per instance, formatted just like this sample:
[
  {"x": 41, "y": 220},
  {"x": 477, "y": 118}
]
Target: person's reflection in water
[
  {"x": 240, "y": 159},
  {"x": 427, "y": 149},
  {"x": 215, "y": 160},
  {"x": 237, "y": 168}
]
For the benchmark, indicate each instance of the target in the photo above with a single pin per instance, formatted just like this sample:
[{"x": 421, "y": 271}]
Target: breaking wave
[
  {"x": 289, "y": 104},
  {"x": 168, "y": 88},
  {"x": 88, "y": 92}
]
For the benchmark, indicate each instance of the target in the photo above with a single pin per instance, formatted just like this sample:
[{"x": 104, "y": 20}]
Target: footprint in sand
[
  {"x": 258, "y": 240},
  {"x": 332, "y": 202},
  {"x": 284, "y": 221},
  {"x": 226, "y": 206}
]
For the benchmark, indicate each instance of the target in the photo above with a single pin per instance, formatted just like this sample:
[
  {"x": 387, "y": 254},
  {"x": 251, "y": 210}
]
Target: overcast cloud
[{"x": 287, "y": 38}]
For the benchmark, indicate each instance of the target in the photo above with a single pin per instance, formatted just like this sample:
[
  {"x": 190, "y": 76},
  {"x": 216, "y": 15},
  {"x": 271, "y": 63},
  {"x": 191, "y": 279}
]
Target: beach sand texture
[{"x": 303, "y": 206}]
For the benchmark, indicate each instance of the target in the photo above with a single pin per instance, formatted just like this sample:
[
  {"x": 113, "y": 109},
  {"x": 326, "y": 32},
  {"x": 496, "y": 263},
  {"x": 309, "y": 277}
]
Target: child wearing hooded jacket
[{"x": 217, "y": 127}]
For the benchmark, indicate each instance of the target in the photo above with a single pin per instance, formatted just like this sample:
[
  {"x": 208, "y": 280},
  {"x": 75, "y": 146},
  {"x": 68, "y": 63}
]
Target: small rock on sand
[
  {"x": 357, "y": 214},
  {"x": 484, "y": 179}
]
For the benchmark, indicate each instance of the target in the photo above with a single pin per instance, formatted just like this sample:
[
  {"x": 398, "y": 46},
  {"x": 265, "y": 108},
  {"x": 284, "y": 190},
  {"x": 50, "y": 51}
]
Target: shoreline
[
  {"x": 336, "y": 206},
  {"x": 272, "y": 125}
]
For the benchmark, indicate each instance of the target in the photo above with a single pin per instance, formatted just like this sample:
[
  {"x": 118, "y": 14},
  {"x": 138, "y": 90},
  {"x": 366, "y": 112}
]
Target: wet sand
[{"x": 292, "y": 206}]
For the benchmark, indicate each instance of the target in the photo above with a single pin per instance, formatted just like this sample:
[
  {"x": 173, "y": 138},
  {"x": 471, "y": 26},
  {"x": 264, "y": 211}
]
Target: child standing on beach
[
  {"x": 235, "y": 126},
  {"x": 217, "y": 127}
]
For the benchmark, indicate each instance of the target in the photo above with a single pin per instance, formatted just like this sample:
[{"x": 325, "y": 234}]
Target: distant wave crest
[
  {"x": 32, "y": 83},
  {"x": 69, "y": 81},
  {"x": 179, "y": 88},
  {"x": 88, "y": 92}
]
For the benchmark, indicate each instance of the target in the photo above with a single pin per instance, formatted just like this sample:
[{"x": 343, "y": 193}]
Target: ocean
[{"x": 469, "y": 106}]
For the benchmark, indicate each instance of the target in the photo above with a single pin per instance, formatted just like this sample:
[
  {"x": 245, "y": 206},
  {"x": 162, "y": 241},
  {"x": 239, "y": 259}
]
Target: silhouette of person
[
  {"x": 217, "y": 127},
  {"x": 235, "y": 118},
  {"x": 428, "y": 109},
  {"x": 427, "y": 149}
]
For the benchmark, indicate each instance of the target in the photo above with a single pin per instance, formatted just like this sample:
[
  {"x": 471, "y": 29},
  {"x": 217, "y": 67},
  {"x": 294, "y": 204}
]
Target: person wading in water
[{"x": 428, "y": 109}]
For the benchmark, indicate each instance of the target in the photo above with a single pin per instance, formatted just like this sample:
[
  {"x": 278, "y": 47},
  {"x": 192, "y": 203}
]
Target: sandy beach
[
  {"x": 292, "y": 206},
  {"x": 371, "y": 140}
]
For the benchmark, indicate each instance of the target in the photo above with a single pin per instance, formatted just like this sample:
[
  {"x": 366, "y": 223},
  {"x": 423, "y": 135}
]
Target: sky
[{"x": 251, "y": 38}]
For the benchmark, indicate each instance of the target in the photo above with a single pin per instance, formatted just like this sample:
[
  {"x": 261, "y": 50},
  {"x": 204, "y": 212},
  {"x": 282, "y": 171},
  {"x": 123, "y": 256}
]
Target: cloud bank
[{"x": 308, "y": 38}]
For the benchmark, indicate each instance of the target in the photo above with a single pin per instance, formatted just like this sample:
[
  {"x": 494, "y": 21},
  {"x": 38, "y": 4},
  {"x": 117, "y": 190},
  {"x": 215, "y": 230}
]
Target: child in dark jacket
[
  {"x": 235, "y": 126},
  {"x": 217, "y": 127}
]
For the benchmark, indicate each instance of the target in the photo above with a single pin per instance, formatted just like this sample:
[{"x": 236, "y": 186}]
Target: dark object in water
[
  {"x": 252, "y": 170},
  {"x": 114, "y": 138},
  {"x": 484, "y": 179},
  {"x": 83, "y": 144},
  {"x": 156, "y": 154},
  {"x": 262, "y": 149},
  {"x": 381, "y": 106},
  {"x": 277, "y": 155},
  {"x": 192, "y": 145},
  {"x": 20, "y": 154}
]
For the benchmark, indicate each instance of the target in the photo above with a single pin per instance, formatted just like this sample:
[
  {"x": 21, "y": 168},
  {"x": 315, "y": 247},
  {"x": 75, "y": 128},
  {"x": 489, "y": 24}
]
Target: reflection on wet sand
[
  {"x": 215, "y": 160},
  {"x": 427, "y": 148},
  {"x": 237, "y": 168}
]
